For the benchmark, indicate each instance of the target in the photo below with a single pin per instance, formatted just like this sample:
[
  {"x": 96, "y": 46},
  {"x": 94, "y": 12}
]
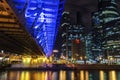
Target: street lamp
[
  {"x": 110, "y": 58},
  {"x": 81, "y": 58}
]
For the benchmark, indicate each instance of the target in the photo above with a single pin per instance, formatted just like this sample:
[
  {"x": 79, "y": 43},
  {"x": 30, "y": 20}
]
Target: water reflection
[
  {"x": 84, "y": 75},
  {"x": 61, "y": 75},
  {"x": 112, "y": 75},
  {"x": 101, "y": 75}
]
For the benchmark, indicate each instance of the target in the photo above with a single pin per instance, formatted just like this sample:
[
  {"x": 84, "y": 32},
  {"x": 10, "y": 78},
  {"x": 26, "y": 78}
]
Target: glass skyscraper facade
[
  {"x": 88, "y": 41},
  {"x": 65, "y": 23},
  {"x": 73, "y": 46},
  {"x": 106, "y": 31}
]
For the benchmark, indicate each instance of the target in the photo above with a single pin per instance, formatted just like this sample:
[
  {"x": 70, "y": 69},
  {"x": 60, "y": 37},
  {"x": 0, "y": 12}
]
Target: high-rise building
[
  {"x": 88, "y": 40},
  {"x": 97, "y": 35},
  {"x": 73, "y": 46},
  {"x": 106, "y": 32},
  {"x": 65, "y": 23}
]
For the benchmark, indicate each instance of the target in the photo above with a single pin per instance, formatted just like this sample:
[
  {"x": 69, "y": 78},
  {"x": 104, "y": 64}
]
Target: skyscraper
[
  {"x": 97, "y": 35},
  {"x": 106, "y": 32},
  {"x": 75, "y": 42},
  {"x": 73, "y": 46},
  {"x": 88, "y": 40},
  {"x": 65, "y": 23}
]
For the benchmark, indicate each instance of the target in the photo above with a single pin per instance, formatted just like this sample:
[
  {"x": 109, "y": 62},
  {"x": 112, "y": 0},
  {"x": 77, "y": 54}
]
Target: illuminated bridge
[{"x": 29, "y": 26}]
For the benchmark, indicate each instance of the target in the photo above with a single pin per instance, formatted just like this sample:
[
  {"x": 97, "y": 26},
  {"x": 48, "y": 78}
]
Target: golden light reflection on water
[
  {"x": 84, "y": 75},
  {"x": 46, "y": 75},
  {"x": 25, "y": 75},
  {"x": 37, "y": 75},
  {"x": 101, "y": 75},
  {"x": 72, "y": 76},
  {"x": 62, "y": 75},
  {"x": 112, "y": 75},
  {"x": 81, "y": 75}
]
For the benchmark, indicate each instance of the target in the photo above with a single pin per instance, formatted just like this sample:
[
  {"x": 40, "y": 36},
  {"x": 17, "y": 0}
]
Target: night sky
[{"x": 84, "y": 8}]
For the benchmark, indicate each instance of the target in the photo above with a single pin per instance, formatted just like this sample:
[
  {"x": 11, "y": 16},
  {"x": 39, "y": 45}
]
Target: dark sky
[{"x": 84, "y": 8}]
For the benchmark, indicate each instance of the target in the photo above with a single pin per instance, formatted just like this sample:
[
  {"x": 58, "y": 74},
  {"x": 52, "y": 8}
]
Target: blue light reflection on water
[{"x": 61, "y": 75}]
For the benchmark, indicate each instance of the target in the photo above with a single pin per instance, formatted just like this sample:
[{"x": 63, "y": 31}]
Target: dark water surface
[{"x": 61, "y": 75}]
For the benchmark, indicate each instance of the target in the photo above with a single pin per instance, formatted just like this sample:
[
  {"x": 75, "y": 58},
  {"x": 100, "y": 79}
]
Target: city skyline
[
  {"x": 96, "y": 22},
  {"x": 59, "y": 39},
  {"x": 38, "y": 32}
]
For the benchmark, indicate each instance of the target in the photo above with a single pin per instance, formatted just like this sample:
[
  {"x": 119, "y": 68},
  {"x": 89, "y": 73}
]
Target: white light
[
  {"x": 32, "y": 8},
  {"x": 35, "y": 14},
  {"x": 36, "y": 26},
  {"x": 55, "y": 51},
  {"x": 1, "y": 58},
  {"x": 2, "y": 51},
  {"x": 49, "y": 15},
  {"x": 38, "y": 36},
  {"x": 40, "y": 41},
  {"x": 48, "y": 9},
  {"x": 42, "y": 17}
]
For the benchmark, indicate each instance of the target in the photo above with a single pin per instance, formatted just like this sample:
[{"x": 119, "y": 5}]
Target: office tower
[
  {"x": 97, "y": 35},
  {"x": 88, "y": 41},
  {"x": 65, "y": 23},
  {"x": 106, "y": 23},
  {"x": 75, "y": 42},
  {"x": 73, "y": 46}
]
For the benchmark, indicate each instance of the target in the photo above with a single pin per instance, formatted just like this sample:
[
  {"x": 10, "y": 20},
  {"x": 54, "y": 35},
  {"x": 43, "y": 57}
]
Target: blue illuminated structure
[{"x": 42, "y": 20}]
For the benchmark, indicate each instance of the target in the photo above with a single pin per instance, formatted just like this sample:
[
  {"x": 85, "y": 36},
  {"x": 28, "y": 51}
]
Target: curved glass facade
[
  {"x": 42, "y": 20},
  {"x": 109, "y": 12},
  {"x": 106, "y": 31}
]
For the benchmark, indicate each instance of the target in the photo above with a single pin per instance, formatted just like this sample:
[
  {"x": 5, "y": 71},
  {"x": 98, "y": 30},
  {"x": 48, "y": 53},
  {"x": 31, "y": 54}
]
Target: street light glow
[{"x": 55, "y": 51}]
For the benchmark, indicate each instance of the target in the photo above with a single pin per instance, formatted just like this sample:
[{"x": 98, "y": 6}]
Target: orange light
[{"x": 77, "y": 41}]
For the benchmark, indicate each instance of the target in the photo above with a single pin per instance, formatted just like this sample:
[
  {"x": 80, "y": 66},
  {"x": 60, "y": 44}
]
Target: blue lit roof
[{"x": 42, "y": 20}]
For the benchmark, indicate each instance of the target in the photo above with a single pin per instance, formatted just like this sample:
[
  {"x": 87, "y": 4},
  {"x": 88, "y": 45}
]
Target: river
[{"x": 60, "y": 75}]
